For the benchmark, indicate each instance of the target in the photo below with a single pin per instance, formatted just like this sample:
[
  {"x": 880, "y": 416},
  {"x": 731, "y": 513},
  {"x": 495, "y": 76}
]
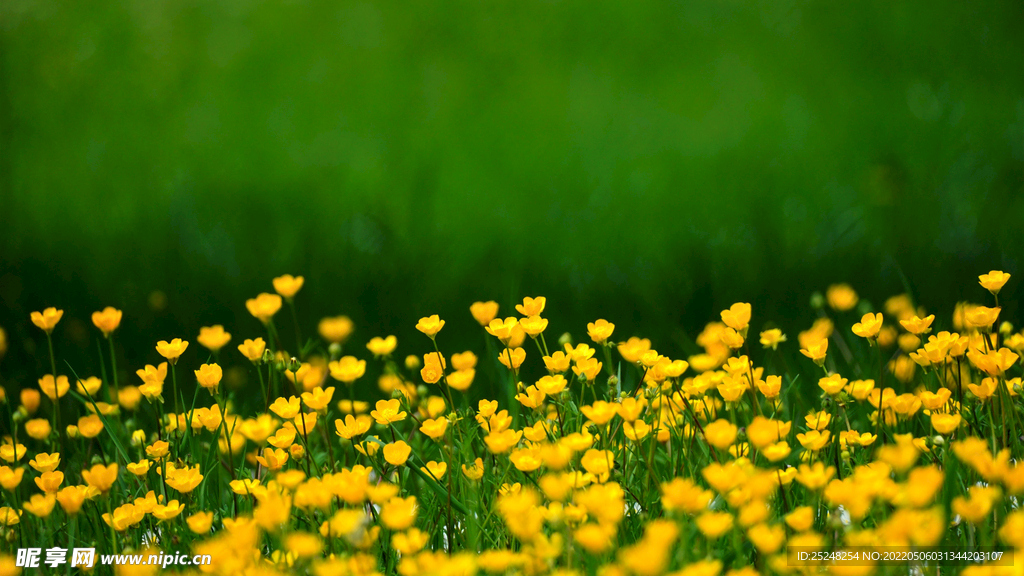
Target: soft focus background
[{"x": 649, "y": 163}]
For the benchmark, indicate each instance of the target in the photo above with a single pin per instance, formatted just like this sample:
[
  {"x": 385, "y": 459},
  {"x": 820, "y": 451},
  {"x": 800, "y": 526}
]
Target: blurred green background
[{"x": 645, "y": 162}]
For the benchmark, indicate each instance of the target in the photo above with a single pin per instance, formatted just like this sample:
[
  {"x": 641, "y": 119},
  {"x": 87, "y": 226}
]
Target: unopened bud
[
  {"x": 817, "y": 301},
  {"x": 564, "y": 339}
]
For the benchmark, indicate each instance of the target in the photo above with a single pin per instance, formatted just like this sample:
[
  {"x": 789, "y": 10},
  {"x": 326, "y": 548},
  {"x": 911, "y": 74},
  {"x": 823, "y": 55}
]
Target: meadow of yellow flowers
[{"x": 621, "y": 460}]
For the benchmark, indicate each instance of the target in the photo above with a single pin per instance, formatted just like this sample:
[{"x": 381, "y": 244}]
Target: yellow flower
[
  {"x": 40, "y": 505},
  {"x": 918, "y": 326},
  {"x": 981, "y": 317},
  {"x": 11, "y": 478},
  {"x": 88, "y": 387},
  {"x": 860, "y": 389},
  {"x": 171, "y": 350},
  {"x": 49, "y": 482},
  {"x": 336, "y": 329},
  {"x": 381, "y": 347},
  {"x": 737, "y": 317},
  {"x": 38, "y": 428},
  {"x": 71, "y": 498},
  {"x": 353, "y": 426},
  {"x": 869, "y": 326},
  {"x": 124, "y": 517},
  {"x": 637, "y": 430},
  {"x": 816, "y": 350},
  {"x": 430, "y": 325},
  {"x": 54, "y": 388},
  {"x": 531, "y": 306},
  {"x": 30, "y": 400},
  {"x": 435, "y": 469},
  {"x": 213, "y": 338},
  {"x": 11, "y": 452},
  {"x": 531, "y": 397},
  {"x": 108, "y": 320},
  {"x": 975, "y": 509},
  {"x": 800, "y": 519},
  {"x": 732, "y": 338},
  {"x": 985, "y": 390},
  {"x": 813, "y": 440},
  {"x": 815, "y": 477},
  {"x": 714, "y": 524},
  {"x": 396, "y": 453},
  {"x": 140, "y": 468},
  {"x": 945, "y": 423},
  {"x": 461, "y": 380},
  {"x": 435, "y": 428},
  {"x": 184, "y": 479},
  {"x": 600, "y": 330},
  {"x": 44, "y": 462},
  {"x": 303, "y": 545},
  {"x": 101, "y": 477},
  {"x": 388, "y": 411},
  {"x": 264, "y": 306},
  {"x": 772, "y": 338},
  {"x": 484, "y": 312},
  {"x": 503, "y": 330},
  {"x": 318, "y": 398},
  {"x": 518, "y": 356},
  {"x": 286, "y": 408},
  {"x": 720, "y": 433},
  {"x": 209, "y": 376},
  {"x": 158, "y": 450},
  {"x": 305, "y": 422},
  {"x": 588, "y": 369},
  {"x": 598, "y": 462},
  {"x": 776, "y": 452},
  {"x": 993, "y": 281},
  {"x": 169, "y": 511},
  {"x": 348, "y": 369},
  {"x": 832, "y": 384},
  {"x": 273, "y": 459},
  {"x": 47, "y": 319},
  {"x": 200, "y": 522},
  {"x": 770, "y": 386},
  {"x": 287, "y": 286},
  {"x": 533, "y": 325},
  {"x": 557, "y": 362},
  {"x": 600, "y": 412},
  {"x": 501, "y": 442},
  {"x": 841, "y": 297},
  {"x": 90, "y": 426},
  {"x": 399, "y": 513},
  {"x": 410, "y": 542}
]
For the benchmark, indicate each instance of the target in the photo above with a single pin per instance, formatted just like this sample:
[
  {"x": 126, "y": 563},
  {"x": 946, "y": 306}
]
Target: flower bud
[
  {"x": 334, "y": 349},
  {"x": 138, "y": 438},
  {"x": 817, "y": 301},
  {"x": 564, "y": 339},
  {"x": 412, "y": 362}
]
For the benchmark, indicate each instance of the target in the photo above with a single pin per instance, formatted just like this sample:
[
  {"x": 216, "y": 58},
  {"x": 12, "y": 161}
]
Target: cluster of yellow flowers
[{"x": 638, "y": 465}]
